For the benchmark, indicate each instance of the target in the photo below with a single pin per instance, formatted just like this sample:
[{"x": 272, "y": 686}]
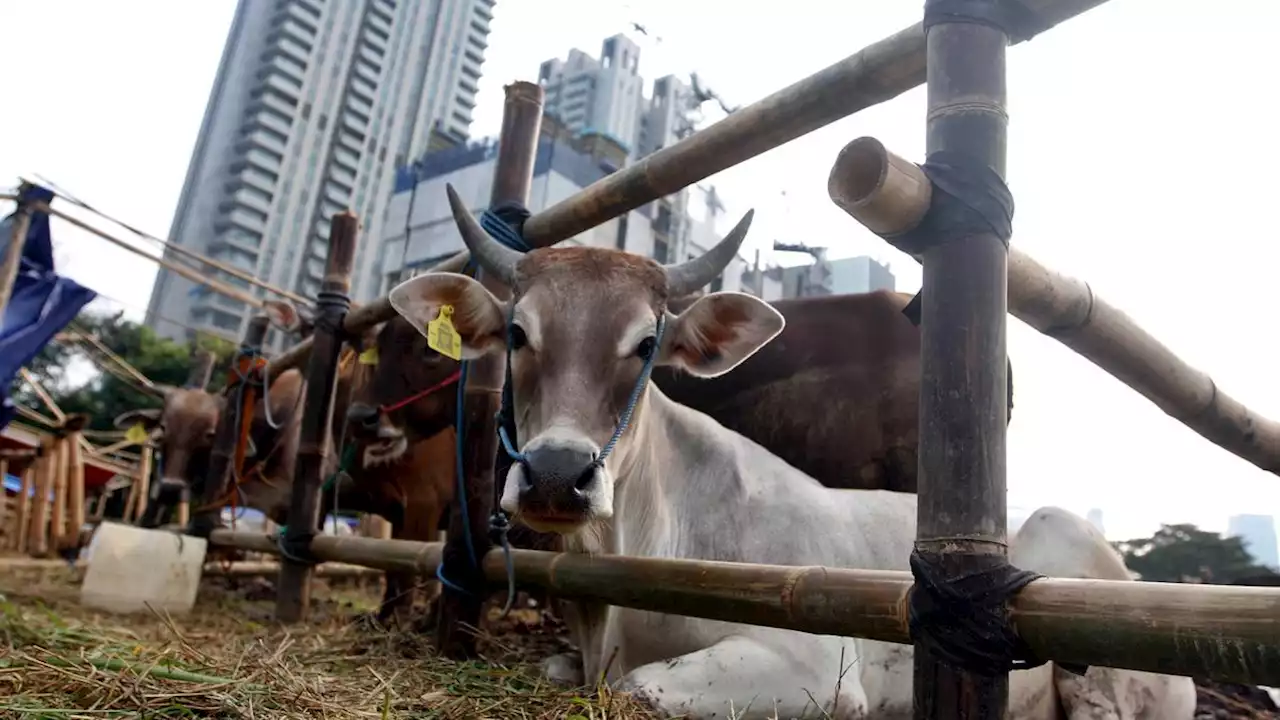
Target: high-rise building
[
  {"x": 315, "y": 105},
  {"x": 604, "y": 96},
  {"x": 1259, "y": 535}
]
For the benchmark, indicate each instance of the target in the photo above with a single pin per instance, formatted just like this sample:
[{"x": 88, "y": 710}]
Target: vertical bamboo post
[
  {"x": 38, "y": 531},
  {"x": 24, "y": 504},
  {"x": 4, "y": 498},
  {"x": 227, "y": 435},
  {"x": 58, "y": 518},
  {"x": 513, "y": 174},
  {"x": 75, "y": 497},
  {"x": 132, "y": 509},
  {"x": 963, "y": 369},
  {"x": 144, "y": 490},
  {"x": 293, "y": 592},
  {"x": 13, "y": 251}
]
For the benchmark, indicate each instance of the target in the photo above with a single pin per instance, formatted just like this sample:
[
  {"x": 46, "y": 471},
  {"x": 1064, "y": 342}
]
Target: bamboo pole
[
  {"x": 21, "y": 531},
  {"x": 144, "y": 485},
  {"x": 75, "y": 498},
  {"x": 1223, "y": 632},
  {"x": 13, "y": 250},
  {"x": 188, "y": 253},
  {"x": 961, "y": 516},
  {"x": 119, "y": 361},
  {"x": 293, "y": 591},
  {"x": 41, "y": 393},
  {"x": 185, "y": 272},
  {"x": 4, "y": 504},
  {"x": 877, "y": 73},
  {"x": 460, "y": 611},
  {"x": 889, "y": 194},
  {"x": 38, "y": 531},
  {"x": 58, "y": 516},
  {"x": 139, "y": 487}
]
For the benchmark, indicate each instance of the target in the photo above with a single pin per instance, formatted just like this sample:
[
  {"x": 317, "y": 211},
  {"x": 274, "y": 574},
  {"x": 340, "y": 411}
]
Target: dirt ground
[{"x": 229, "y": 659}]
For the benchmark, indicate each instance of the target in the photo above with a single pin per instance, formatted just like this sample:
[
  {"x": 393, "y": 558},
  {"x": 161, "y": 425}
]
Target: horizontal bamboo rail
[
  {"x": 877, "y": 73},
  {"x": 188, "y": 273},
  {"x": 1227, "y": 633},
  {"x": 890, "y": 195},
  {"x": 178, "y": 249},
  {"x": 242, "y": 568}
]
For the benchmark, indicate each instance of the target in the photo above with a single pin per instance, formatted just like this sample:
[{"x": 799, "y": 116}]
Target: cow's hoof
[{"x": 564, "y": 669}]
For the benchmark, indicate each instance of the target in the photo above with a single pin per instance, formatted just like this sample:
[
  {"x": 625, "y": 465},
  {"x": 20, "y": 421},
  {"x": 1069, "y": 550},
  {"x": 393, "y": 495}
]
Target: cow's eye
[
  {"x": 647, "y": 347},
  {"x": 516, "y": 337}
]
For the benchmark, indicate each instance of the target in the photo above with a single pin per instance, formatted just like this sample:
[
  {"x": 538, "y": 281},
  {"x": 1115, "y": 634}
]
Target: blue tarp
[
  {"x": 13, "y": 484},
  {"x": 42, "y": 302}
]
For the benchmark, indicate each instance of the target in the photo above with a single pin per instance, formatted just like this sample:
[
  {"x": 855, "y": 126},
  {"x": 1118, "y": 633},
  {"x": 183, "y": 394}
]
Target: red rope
[{"x": 414, "y": 398}]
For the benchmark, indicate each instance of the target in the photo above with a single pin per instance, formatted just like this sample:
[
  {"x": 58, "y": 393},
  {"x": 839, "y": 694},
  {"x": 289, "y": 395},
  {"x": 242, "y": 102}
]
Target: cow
[
  {"x": 184, "y": 426},
  {"x": 606, "y": 460}
]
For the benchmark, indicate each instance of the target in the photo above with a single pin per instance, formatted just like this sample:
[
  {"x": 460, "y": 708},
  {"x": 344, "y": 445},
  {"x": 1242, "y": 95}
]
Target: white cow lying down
[{"x": 583, "y": 324}]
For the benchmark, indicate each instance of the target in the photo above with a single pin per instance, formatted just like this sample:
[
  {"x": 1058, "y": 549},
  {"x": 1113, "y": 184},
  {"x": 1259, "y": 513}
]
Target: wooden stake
[
  {"x": 58, "y": 518},
  {"x": 21, "y": 529},
  {"x": 75, "y": 472},
  {"x": 513, "y": 173},
  {"x": 293, "y": 592},
  {"x": 963, "y": 364},
  {"x": 38, "y": 532}
]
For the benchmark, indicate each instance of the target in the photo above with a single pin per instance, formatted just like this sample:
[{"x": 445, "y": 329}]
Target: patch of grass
[{"x": 228, "y": 659}]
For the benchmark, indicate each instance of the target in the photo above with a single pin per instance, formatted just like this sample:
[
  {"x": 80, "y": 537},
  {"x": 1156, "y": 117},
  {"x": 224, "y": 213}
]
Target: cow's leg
[
  {"x": 1056, "y": 543},
  {"x": 748, "y": 677}
]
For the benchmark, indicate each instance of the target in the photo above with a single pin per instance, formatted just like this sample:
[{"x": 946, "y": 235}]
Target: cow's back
[{"x": 835, "y": 394}]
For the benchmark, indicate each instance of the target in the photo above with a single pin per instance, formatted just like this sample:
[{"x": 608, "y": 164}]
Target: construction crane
[
  {"x": 817, "y": 279},
  {"x": 692, "y": 102}
]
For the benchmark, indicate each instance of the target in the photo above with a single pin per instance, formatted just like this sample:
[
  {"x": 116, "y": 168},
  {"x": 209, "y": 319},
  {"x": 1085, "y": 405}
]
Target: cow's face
[
  {"x": 183, "y": 429},
  {"x": 409, "y": 392},
  {"x": 581, "y": 325}
]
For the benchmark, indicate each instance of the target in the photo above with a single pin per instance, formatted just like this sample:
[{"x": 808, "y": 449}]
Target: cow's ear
[
  {"x": 717, "y": 332},
  {"x": 149, "y": 418},
  {"x": 475, "y": 314}
]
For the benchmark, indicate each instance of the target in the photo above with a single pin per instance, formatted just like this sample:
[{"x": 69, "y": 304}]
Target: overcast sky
[{"x": 1141, "y": 157}]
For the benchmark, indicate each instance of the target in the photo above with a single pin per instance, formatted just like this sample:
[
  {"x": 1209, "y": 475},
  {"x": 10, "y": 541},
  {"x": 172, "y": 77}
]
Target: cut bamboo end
[{"x": 884, "y": 192}]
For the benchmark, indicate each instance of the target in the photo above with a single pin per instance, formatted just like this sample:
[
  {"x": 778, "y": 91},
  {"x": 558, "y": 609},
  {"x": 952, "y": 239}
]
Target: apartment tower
[{"x": 315, "y": 105}]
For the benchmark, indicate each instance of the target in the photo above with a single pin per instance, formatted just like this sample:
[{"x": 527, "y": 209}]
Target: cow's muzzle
[{"x": 558, "y": 486}]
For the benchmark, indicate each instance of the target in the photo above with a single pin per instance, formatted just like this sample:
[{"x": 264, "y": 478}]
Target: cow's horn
[
  {"x": 490, "y": 254},
  {"x": 691, "y": 275}
]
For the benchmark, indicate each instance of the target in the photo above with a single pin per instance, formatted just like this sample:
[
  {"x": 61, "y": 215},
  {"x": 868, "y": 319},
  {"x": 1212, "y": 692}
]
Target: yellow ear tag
[
  {"x": 369, "y": 357},
  {"x": 441, "y": 335},
  {"x": 136, "y": 434}
]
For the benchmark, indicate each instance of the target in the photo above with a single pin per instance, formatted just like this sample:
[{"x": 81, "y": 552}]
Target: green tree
[
  {"x": 1177, "y": 553},
  {"x": 105, "y": 395}
]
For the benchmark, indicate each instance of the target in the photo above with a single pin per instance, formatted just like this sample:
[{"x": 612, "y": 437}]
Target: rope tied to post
[
  {"x": 505, "y": 223},
  {"x": 964, "y": 620},
  {"x": 1011, "y": 17},
  {"x": 969, "y": 198}
]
